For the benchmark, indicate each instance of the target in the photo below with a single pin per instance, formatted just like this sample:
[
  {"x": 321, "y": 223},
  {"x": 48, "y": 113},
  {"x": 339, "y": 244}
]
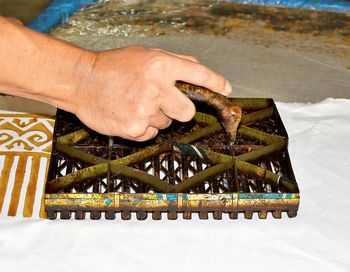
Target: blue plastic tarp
[{"x": 56, "y": 13}]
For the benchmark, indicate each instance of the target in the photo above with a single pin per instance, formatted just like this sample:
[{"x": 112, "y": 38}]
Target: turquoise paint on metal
[
  {"x": 108, "y": 201},
  {"x": 137, "y": 200},
  {"x": 171, "y": 197},
  {"x": 160, "y": 196},
  {"x": 264, "y": 196}
]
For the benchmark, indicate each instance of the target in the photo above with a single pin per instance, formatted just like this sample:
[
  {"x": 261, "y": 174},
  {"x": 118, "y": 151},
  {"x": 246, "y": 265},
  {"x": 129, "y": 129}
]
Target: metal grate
[{"x": 188, "y": 168}]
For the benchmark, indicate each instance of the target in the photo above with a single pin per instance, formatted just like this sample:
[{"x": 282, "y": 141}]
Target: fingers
[
  {"x": 160, "y": 121},
  {"x": 191, "y": 71},
  {"x": 186, "y": 57},
  {"x": 136, "y": 131},
  {"x": 201, "y": 75},
  {"x": 176, "y": 105},
  {"x": 150, "y": 133}
]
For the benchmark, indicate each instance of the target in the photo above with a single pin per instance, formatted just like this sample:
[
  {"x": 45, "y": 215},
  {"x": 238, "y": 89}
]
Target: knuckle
[
  {"x": 156, "y": 49},
  {"x": 136, "y": 130},
  {"x": 145, "y": 111},
  {"x": 156, "y": 60},
  {"x": 137, "y": 47},
  {"x": 151, "y": 134},
  {"x": 154, "y": 65},
  {"x": 166, "y": 122},
  {"x": 187, "y": 113},
  {"x": 141, "y": 112},
  {"x": 192, "y": 58},
  {"x": 154, "y": 94}
]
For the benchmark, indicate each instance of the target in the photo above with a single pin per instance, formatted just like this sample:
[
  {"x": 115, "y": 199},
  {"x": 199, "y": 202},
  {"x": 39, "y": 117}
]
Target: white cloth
[{"x": 318, "y": 239}]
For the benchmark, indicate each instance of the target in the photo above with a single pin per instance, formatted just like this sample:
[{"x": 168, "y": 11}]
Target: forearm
[{"x": 34, "y": 65}]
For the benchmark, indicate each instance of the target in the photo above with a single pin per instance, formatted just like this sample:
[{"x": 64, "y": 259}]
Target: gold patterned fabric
[{"x": 25, "y": 149}]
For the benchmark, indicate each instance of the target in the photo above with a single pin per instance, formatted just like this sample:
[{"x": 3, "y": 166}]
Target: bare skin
[{"x": 128, "y": 92}]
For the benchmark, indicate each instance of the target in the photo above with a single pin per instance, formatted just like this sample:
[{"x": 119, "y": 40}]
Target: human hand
[
  {"x": 14, "y": 21},
  {"x": 131, "y": 92},
  {"x": 126, "y": 92}
]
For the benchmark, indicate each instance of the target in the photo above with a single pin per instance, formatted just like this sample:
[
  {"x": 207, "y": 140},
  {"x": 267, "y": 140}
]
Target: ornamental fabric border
[{"x": 25, "y": 149}]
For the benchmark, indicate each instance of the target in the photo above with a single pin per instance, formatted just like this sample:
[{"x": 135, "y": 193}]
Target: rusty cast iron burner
[{"x": 188, "y": 168}]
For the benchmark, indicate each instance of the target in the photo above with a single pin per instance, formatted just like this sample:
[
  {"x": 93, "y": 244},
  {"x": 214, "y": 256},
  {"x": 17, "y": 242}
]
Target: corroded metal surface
[
  {"x": 189, "y": 168},
  {"x": 156, "y": 204},
  {"x": 230, "y": 114}
]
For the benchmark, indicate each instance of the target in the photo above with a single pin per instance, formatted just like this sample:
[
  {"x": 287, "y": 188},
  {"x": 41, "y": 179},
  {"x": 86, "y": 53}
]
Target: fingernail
[{"x": 228, "y": 88}]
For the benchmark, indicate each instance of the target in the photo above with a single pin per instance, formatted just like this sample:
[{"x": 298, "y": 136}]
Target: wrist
[{"x": 75, "y": 78}]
